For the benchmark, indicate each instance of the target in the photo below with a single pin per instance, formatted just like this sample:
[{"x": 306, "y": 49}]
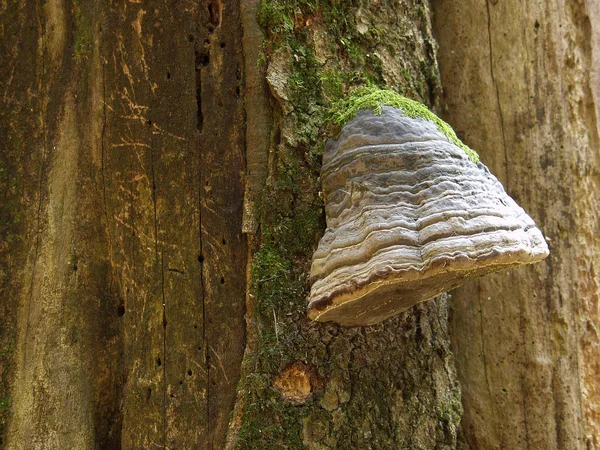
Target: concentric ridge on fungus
[{"x": 409, "y": 216}]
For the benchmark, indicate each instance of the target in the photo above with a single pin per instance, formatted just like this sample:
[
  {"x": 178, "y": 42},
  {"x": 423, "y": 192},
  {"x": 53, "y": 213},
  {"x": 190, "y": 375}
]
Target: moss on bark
[{"x": 390, "y": 385}]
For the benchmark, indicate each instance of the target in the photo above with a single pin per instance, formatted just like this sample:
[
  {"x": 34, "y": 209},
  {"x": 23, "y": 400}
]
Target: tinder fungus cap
[{"x": 409, "y": 216}]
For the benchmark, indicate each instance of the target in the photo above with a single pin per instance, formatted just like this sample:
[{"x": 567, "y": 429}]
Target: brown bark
[
  {"x": 135, "y": 132},
  {"x": 131, "y": 300},
  {"x": 521, "y": 86},
  {"x": 126, "y": 272}
]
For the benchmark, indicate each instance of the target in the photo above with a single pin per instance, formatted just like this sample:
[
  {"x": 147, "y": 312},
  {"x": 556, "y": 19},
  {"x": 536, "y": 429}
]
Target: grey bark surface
[{"x": 521, "y": 86}]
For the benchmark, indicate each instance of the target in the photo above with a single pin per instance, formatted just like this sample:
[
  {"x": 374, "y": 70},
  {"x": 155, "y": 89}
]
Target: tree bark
[
  {"x": 129, "y": 152},
  {"x": 521, "y": 85},
  {"x": 160, "y": 203},
  {"x": 126, "y": 285}
]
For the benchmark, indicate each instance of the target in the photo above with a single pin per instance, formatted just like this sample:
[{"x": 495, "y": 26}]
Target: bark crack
[
  {"x": 159, "y": 261},
  {"x": 498, "y": 103},
  {"x": 162, "y": 286},
  {"x": 524, "y": 412},
  {"x": 523, "y": 391},
  {"x": 201, "y": 252}
]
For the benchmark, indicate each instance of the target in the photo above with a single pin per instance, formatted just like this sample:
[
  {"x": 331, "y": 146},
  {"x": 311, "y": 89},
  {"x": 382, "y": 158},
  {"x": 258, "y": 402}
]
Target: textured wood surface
[
  {"x": 522, "y": 87},
  {"x": 131, "y": 284}
]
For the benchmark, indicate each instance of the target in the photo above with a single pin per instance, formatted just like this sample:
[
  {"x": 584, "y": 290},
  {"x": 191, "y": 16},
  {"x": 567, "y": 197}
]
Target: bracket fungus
[{"x": 411, "y": 213}]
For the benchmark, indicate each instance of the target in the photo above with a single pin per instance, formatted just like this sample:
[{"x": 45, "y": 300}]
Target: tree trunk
[
  {"x": 128, "y": 150},
  {"x": 160, "y": 203},
  {"x": 125, "y": 129},
  {"x": 521, "y": 85}
]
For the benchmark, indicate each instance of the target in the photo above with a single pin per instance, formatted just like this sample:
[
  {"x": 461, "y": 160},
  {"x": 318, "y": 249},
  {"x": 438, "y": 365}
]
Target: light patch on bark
[
  {"x": 49, "y": 380},
  {"x": 526, "y": 99},
  {"x": 258, "y": 117}
]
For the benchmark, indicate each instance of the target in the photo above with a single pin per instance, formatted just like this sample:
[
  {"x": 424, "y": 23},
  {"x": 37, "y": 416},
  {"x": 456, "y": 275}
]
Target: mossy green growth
[
  {"x": 374, "y": 98},
  {"x": 83, "y": 35},
  {"x": 451, "y": 410}
]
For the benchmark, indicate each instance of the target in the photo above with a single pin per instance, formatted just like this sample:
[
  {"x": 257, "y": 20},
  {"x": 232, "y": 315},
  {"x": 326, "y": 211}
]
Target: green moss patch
[
  {"x": 322, "y": 59},
  {"x": 374, "y": 98}
]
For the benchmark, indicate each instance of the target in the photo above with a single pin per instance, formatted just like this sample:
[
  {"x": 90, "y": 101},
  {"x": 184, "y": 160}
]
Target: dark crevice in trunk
[
  {"x": 159, "y": 261},
  {"x": 489, "y": 24},
  {"x": 202, "y": 60}
]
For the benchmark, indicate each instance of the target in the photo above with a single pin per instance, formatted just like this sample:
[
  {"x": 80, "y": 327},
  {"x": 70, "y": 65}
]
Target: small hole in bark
[
  {"x": 189, "y": 372},
  {"x": 536, "y": 26},
  {"x": 204, "y": 60},
  {"x": 222, "y": 45},
  {"x": 209, "y": 321},
  {"x": 214, "y": 383},
  {"x": 171, "y": 395},
  {"x": 195, "y": 327},
  {"x": 200, "y": 258},
  {"x": 190, "y": 38},
  {"x": 148, "y": 394},
  {"x": 222, "y": 280},
  {"x": 121, "y": 310},
  {"x": 180, "y": 382},
  {"x": 210, "y": 28},
  {"x": 224, "y": 241},
  {"x": 149, "y": 122},
  {"x": 212, "y": 13},
  {"x": 168, "y": 75},
  {"x": 158, "y": 362},
  {"x": 237, "y": 91}
]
